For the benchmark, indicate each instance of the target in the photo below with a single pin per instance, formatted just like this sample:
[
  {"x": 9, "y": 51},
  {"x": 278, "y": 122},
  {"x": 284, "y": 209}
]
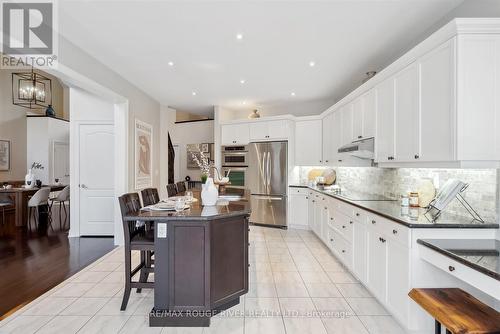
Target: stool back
[
  {"x": 130, "y": 203},
  {"x": 181, "y": 187},
  {"x": 39, "y": 198},
  {"x": 63, "y": 196},
  {"x": 150, "y": 196},
  {"x": 171, "y": 190}
]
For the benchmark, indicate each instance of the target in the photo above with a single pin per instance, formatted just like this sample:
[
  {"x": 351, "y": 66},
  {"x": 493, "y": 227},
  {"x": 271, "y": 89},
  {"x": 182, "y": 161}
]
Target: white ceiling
[{"x": 345, "y": 39}]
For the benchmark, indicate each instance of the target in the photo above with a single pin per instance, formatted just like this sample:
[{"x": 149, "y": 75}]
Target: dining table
[{"x": 19, "y": 197}]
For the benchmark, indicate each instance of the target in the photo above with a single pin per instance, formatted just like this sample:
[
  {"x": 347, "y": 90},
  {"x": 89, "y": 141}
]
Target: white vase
[
  {"x": 30, "y": 177},
  {"x": 209, "y": 193}
]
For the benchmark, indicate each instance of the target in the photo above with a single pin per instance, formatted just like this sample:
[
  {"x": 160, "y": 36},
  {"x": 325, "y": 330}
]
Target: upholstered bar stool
[
  {"x": 61, "y": 198},
  {"x": 181, "y": 187},
  {"x": 41, "y": 197},
  {"x": 171, "y": 190}
]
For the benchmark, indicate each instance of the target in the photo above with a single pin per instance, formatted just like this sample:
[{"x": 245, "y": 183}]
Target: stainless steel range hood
[{"x": 364, "y": 148}]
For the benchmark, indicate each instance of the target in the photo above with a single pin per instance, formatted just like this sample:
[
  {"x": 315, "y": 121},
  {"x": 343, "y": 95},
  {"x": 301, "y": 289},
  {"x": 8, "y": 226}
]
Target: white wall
[{"x": 189, "y": 133}]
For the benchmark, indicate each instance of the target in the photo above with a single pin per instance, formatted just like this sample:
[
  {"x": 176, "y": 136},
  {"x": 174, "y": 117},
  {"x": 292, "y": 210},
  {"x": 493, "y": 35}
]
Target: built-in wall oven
[{"x": 235, "y": 165}]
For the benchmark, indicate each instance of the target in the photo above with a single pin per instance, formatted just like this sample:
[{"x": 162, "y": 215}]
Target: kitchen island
[{"x": 200, "y": 261}]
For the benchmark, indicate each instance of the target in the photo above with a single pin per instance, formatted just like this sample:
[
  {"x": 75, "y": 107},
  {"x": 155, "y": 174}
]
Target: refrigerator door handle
[
  {"x": 271, "y": 198},
  {"x": 268, "y": 173}
]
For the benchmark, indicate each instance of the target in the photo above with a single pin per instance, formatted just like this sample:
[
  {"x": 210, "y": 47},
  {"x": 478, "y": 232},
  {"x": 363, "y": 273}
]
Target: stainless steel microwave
[{"x": 235, "y": 156}]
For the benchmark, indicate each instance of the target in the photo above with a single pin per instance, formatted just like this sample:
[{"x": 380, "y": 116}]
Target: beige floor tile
[
  {"x": 297, "y": 307},
  {"x": 309, "y": 266},
  {"x": 49, "y": 306},
  {"x": 145, "y": 306},
  {"x": 353, "y": 290},
  {"x": 283, "y": 266},
  {"x": 225, "y": 326},
  {"x": 73, "y": 289},
  {"x": 304, "y": 326},
  {"x": 381, "y": 325},
  {"x": 287, "y": 277},
  {"x": 139, "y": 324},
  {"x": 366, "y": 306},
  {"x": 85, "y": 306},
  {"x": 112, "y": 307},
  {"x": 105, "y": 266},
  {"x": 291, "y": 290},
  {"x": 104, "y": 290},
  {"x": 259, "y": 266},
  {"x": 322, "y": 290},
  {"x": 261, "y": 290},
  {"x": 341, "y": 277},
  {"x": 114, "y": 277},
  {"x": 262, "y": 307},
  {"x": 89, "y": 276},
  {"x": 284, "y": 257},
  {"x": 332, "y": 307},
  {"x": 260, "y": 277},
  {"x": 237, "y": 311},
  {"x": 331, "y": 265},
  {"x": 315, "y": 277},
  {"x": 64, "y": 324},
  {"x": 264, "y": 325},
  {"x": 101, "y": 324},
  {"x": 182, "y": 330},
  {"x": 25, "y": 324},
  {"x": 348, "y": 325}
]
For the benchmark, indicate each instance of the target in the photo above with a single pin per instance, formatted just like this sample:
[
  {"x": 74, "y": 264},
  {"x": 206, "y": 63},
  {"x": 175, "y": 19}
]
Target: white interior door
[
  {"x": 96, "y": 179},
  {"x": 60, "y": 163}
]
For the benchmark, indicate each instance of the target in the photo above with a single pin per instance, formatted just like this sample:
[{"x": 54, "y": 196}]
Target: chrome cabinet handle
[
  {"x": 394, "y": 231},
  {"x": 451, "y": 268},
  {"x": 373, "y": 221}
]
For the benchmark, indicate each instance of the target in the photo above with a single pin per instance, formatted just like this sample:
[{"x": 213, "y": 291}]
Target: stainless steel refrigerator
[{"x": 267, "y": 180}]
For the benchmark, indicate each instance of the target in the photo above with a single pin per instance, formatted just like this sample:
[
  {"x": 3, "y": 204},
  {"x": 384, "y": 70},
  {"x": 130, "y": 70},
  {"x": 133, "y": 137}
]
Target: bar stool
[
  {"x": 150, "y": 196},
  {"x": 61, "y": 198},
  {"x": 181, "y": 187},
  {"x": 457, "y": 311},
  {"x": 136, "y": 237},
  {"x": 3, "y": 207},
  {"x": 41, "y": 197}
]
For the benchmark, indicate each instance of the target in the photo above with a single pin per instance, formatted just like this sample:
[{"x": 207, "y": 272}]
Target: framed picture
[
  {"x": 204, "y": 148},
  {"x": 143, "y": 155},
  {"x": 4, "y": 155}
]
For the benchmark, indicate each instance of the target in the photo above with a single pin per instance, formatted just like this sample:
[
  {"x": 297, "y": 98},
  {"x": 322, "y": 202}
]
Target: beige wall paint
[{"x": 13, "y": 123}]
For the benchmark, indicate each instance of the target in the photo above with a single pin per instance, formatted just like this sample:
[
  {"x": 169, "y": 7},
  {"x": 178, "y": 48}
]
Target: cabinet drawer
[
  {"x": 299, "y": 191},
  {"x": 359, "y": 214},
  {"x": 344, "y": 208},
  {"x": 344, "y": 225},
  {"x": 390, "y": 229},
  {"x": 341, "y": 248}
]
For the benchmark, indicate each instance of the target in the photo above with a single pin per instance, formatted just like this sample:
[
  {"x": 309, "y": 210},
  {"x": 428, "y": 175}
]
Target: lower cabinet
[
  {"x": 298, "y": 208},
  {"x": 359, "y": 245},
  {"x": 377, "y": 264},
  {"x": 398, "y": 280}
]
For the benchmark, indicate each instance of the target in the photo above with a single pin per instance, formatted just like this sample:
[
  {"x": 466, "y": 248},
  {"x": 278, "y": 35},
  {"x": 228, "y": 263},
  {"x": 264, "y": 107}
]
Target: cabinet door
[
  {"x": 437, "y": 107},
  {"x": 384, "y": 140},
  {"x": 232, "y": 134},
  {"x": 299, "y": 204},
  {"x": 369, "y": 108},
  {"x": 377, "y": 264},
  {"x": 308, "y": 139},
  {"x": 398, "y": 279},
  {"x": 259, "y": 131},
  {"x": 359, "y": 251},
  {"x": 336, "y": 137},
  {"x": 346, "y": 112},
  {"x": 357, "y": 118},
  {"x": 407, "y": 114},
  {"x": 310, "y": 209},
  {"x": 277, "y": 129},
  {"x": 328, "y": 139}
]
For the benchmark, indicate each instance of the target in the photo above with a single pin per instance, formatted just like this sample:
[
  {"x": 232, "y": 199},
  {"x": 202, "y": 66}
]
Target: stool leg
[{"x": 437, "y": 327}]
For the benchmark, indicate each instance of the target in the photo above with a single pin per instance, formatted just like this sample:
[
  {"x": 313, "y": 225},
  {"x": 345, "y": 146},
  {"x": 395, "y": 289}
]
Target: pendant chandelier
[{"x": 31, "y": 90}]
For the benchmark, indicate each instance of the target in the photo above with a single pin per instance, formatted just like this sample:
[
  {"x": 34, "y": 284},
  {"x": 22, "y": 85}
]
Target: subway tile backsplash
[{"x": 482, "y": 193}]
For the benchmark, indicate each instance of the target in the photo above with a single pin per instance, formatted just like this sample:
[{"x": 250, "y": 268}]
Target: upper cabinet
[
  {"x": 346, "y": 116},
  {"x": 269, "y": 130},
  {"x": 329, "y": 131},
  {"x": 363, "y": 110},
  {"x": 235, "y": 134},
  {"x": 308, "y": 143},
  {"x": 385, "y": 121}
]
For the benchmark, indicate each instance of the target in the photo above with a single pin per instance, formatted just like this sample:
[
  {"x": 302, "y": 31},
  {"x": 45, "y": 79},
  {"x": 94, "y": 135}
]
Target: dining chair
[
  {"x": 41, "y": 197},
  {"x": 136, "y": 237},
  {"x": 181, "y": 187},
  {"x": 3, "y": 207},
  {"x": 150, "y": 196},
  {"x": 61, "y": 198},
  {"x": 171, "y": 189}
]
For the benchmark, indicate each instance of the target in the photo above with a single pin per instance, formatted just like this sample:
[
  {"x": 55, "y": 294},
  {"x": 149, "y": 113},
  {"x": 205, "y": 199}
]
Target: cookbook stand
[{"x": 435, "y": 213}]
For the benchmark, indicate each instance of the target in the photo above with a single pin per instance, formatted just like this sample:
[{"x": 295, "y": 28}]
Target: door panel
[
  {"x": 96, "y": 179},
  {"x": 277, "y": 170},
  {"x": 257, "y": 168},
  {"x": 268, "y": 210},
  {"x": 61, "y": 162},
  {"x": 385, "y": 121}
]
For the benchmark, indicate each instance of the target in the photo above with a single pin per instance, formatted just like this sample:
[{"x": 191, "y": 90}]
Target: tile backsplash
[{"x": 482, "y": 193}]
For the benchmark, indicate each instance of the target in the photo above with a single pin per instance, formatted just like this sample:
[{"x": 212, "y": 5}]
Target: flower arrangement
[
  {"x": 36, "y": 165},
  {"x": 203, "y": 163}
]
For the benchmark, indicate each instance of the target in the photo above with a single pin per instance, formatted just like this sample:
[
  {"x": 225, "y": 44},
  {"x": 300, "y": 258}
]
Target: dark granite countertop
[
  {"x": 410, "y": 217},
  {"x": 482, "y": 255},
  {"x": 223, "y": 209}
]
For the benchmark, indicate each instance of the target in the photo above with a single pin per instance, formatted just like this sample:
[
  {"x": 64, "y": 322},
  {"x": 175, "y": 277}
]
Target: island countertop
[{"x": 409, "y": 217}]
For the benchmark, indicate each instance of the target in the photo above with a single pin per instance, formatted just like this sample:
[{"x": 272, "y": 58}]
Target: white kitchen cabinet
[
  {"x": 336, "y": 137},
  {"x": 357, "y": 118},
  {"x": 308, "y": 146},
  {"x": 398, "y": 279},
  {"x": 346, "y": 121},
  {"x": 269, "y": 130},
  {"x": 359, "y": 246},
  {"x": 369, "y": 114},
  {"x": 235, "y": 134},
  {"x": 377, "y": 263},
  {"x": 298, "y": 208},
  {"x": 384, "y": 142},
  {"x": 310, "y": 209},
  {"x": 328, "y": 155},
  {"x": 406, "y": 102}
]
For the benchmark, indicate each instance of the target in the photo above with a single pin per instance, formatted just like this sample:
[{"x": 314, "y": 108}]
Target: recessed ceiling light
[
  {"x": 244, "y": 102},
  {"x": 312, "y": 63},
  {"x": 239, "y": 36},
  {"x": 292, "y": 93},
  {"x": 242, "y": 81},
  {"x": 170, "y": 63},
  {"x": 193, "y": 93}
]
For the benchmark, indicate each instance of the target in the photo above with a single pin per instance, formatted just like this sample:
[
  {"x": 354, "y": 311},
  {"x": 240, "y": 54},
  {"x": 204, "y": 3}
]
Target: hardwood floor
[{"x": 34, "y": 262}]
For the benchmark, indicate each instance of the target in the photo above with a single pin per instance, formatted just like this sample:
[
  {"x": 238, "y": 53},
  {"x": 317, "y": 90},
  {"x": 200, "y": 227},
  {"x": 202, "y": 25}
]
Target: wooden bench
[{"x": 457, "y": 311}]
